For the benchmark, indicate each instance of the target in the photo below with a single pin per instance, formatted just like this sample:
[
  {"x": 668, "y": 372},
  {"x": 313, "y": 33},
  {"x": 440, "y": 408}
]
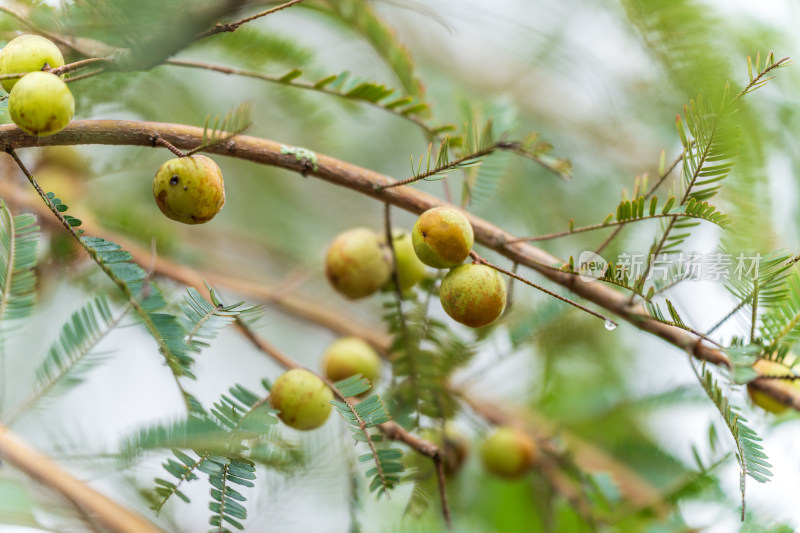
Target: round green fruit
[
  {"x": 442, "y": 237},
  {"x": 358, "y": 263},
  {"x": 349, "y": 356},
  {"x": 302, "y": 399},
  {"x": 27, "y": 53},
  {"x": 766, "y": 367},
  {"x": 189, "y": 189},
  {"x": 508, "y": 452},
  {"x": 474, "y": 295},
  {"x": 41, "y": 104},
  {"x": 410, "y": 270}
]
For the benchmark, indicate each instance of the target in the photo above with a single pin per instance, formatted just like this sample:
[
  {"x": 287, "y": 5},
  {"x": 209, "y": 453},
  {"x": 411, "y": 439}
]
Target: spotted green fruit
[
  {"x": 349, "y": 356},
  {"x": 302, "y": 399},
  {"x": 189, "y": 189},
  {"x": 41, "y": 104},
  {"x": 508, "y": 452},
  {"x": 442, "y": 237},
  {"x": 410, "y": 270},
  {"x": 27, "y": 53},
  {"x": 772, "y": 368},
  {"x": 473, "y": 294},
  {"x": 358, "y": 263}
]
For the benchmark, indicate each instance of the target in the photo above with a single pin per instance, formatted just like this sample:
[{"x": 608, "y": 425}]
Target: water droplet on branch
[{"x": 610, "y": 326}]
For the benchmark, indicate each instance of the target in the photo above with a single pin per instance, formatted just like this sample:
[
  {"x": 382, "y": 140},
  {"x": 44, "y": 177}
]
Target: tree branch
[
  {"x": 367, "y": 182},
  {"x": 44, "y": 470},
  {"x": 587, "y": 456}
]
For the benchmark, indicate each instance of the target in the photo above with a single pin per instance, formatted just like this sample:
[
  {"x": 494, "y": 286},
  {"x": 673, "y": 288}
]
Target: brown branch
[
  {"x": 120, "y": 132},
  {"x": 44, "y": 470}
]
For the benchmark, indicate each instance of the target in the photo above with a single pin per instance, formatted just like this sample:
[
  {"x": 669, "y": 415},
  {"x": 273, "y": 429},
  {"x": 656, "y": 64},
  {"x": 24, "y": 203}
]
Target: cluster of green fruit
[
  {"x": 39, "y": 102},
  {"x": 303, "y": 401},
  {"x": 359, "y": 263}
]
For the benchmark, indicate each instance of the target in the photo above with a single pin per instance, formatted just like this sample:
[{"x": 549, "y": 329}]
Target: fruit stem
[{"x": 158, "y": 140}]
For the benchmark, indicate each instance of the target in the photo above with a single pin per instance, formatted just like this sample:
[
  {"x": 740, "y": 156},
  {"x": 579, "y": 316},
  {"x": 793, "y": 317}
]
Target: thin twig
[
  {"x": 70, "y": 67},
  {"x": 428, "y": 130},
  {"x": 233, "y": 26},
  {"x": 84, "y": 76},
  {"x": 158, "y": 140},
  {"x": 440, "y": 480},
  {"x": 446, "y": 167},
  {"x": 526, "y": 281},
  {"x": 602, "y": 226}
]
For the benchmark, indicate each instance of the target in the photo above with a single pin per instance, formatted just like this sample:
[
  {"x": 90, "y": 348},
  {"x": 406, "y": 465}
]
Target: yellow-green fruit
[
  {"x": 358, "y": 263},
  {"x": 302, "y": 399},
  {"x": 474, "y": 295},
  {"x": 508, "y": 452},
  {"x": 41, "y": 104},
  {"x": 772, "y": 368},
  {"x": 454, "y": 445},
  {"x": 27, "y": 53},
  {"x": 349, "y": 356},
  {"x": 410, "y": 270},
  {"x": 442, "y": 237},
  {"x": 189, "y": 189}
]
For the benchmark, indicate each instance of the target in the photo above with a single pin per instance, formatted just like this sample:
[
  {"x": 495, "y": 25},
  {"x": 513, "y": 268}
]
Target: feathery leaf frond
[
  {"x": 19, "y": 248},
  {"x": 780, "y": 324},
  {"x": 203, "y": 320},
  {"x": 222, "y": 130},
  {"x": 360, "y": 416},
  {"x": 70, "y": 357},
  {"x": 749, "y": 453}
]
